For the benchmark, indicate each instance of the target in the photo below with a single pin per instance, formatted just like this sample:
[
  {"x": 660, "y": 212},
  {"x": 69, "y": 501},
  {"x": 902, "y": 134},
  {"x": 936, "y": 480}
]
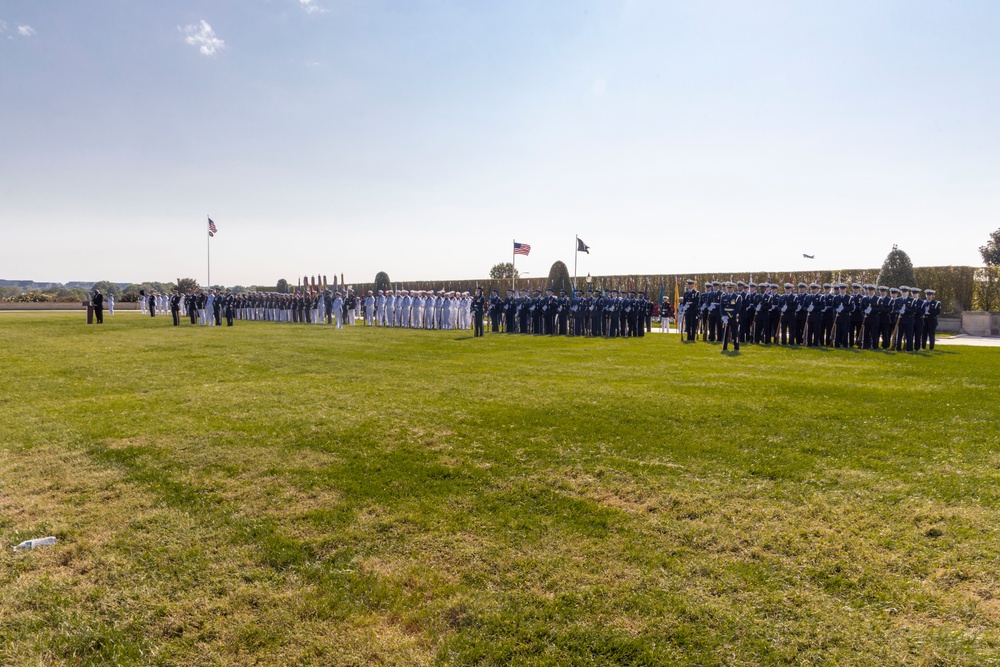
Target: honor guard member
[
  {"x": 884, "y": 331},
  {"x": 217, "y": 308},
  {"x": 903, "y": 307},
  {"x": 689, "y": 310},
  {"x": 631, "y": 315},
  {"x": 749, "y": 294},
  {"x": 596, "y": 312},
  {"x": 576, "y": 309},
  {"x": 508, "y": 313},
  {"x": 800, "y": 314},
  {"x": 562, "y": 313},
  {"x": 762, "y": 315},
  {"x": 229, "y": 307},
  {"x": 714, "y": 317},
  {"x": 152, "y": 304},
  {"x": 650, "y": 306},
  {"x": 932, "y": 309},
  {"x": 703, "y": 299},
  {"x": 814, "y": 316},
  {"x": 611, "y": 306},
  {"x": 175, "y": 307},
  {"x": 841, "y": 316},
  {"x": 496, "y": 308},
  {"x": 775, "y": 311},
  {"x": 857, "y": 304},
  {"x": 478, "y": 307},
  {"x": 730, "y": 306},
  {"x": 786, "y": 316},
  {"x": 549, "y": 312},
  {"x": 869, "y": 318},
  {"x": 918, "y": 317}
]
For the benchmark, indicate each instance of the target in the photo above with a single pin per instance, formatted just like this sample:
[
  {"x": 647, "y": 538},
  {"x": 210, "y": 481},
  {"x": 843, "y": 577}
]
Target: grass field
[{"x": 281, "y": 494}]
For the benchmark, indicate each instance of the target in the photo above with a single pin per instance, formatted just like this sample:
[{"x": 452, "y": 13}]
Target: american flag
[
  {"x": 521, "y": 248},
  {"x": 212, "y": 229}
]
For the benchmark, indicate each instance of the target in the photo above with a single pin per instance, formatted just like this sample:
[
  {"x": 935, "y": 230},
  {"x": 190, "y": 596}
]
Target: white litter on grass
[{"x": 38, "y": 542}]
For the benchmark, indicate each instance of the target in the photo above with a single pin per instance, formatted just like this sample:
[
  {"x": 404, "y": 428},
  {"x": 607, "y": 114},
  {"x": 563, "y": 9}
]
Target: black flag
[{"x": 581, "y": 246}]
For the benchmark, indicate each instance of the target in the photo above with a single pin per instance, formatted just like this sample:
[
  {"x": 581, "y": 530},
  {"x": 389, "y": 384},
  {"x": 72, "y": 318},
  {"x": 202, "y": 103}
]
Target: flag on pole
[
  {"x": 212, "y": 229},
  {"x": 521, "y": 248},
  {"x": 581, "y": 246}
]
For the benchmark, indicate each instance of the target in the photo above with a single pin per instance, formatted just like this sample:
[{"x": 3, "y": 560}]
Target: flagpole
[
  {"x": 576, "y": 254},
  {"x": 513, "y": 270}
]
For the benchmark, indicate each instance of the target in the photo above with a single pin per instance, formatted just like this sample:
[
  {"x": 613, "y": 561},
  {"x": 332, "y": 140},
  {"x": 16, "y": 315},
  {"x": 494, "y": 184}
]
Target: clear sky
[{"x": 420, "y": 137}]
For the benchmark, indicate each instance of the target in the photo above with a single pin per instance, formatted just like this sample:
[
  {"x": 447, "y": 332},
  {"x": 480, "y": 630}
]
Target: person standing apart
[
  {"x": 111, "y": 303},
  {"x": 98, "y": 303},
  {"x": 175, "y": 307}
]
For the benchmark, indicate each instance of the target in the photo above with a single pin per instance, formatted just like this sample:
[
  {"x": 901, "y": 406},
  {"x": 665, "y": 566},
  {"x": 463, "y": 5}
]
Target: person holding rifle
[{"x": 730, "y": 305}]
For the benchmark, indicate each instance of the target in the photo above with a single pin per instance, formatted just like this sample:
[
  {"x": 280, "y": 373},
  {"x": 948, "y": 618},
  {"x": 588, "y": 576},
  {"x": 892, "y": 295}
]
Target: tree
[
  {"x": 382, "y": 282},
  {"x": 991, "y": 251},
  {"x": 108, "y": 288},
  {"x": 897, "y": 270},
  {"x": 504, "y": 270},
  {"x": 559, "y": 278},
  {"x": 282, "y": 286},
  {"x": 239, "y": 289},
  {"x": 186, "y": 285}
]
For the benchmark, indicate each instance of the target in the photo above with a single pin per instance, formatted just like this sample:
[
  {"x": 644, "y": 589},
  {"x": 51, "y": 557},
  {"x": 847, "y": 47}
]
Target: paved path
[{"x": 958, "y": 339}]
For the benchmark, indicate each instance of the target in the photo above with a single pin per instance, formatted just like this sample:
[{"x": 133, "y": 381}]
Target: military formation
[
  {"x": 866, "y": 317},
  {"x": 591, "y": 313}
]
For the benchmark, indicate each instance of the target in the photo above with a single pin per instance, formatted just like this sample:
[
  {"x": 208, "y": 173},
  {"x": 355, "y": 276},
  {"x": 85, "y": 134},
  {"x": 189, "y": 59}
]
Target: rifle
[{"x": 892, "y": 342}]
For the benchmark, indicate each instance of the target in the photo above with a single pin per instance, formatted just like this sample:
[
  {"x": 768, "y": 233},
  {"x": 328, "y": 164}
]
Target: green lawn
[{"x": 285, "y": 494}]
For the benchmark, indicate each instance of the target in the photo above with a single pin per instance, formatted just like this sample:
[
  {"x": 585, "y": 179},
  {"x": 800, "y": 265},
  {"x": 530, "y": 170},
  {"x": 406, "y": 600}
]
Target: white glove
[
  {"x": 868, "y": 310},
  {"x": 810, "y": 308},
  {"x": 927, "y": 311},
  {"x": 840, "y": 309},
  {"x": 902, "y": 309},
  {"x": 758, "y": 307},
  {"x": 784, "y": 308},
  {"x": 725, "y": 320},
  {"x": 712, "y": 306}
]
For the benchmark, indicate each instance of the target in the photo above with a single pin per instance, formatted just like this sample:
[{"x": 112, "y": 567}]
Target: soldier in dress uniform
[
  {"x": 478, "y": 306},
  {"x": 841, "y": 316},
  {"x": 800, "y": 315},
  {"x": 762, "y": 315},
  {"x": 640, "y": 306},
  {"x": 918, "y": 317},
  {"x": 496, "y": 308},
  {"x": 508, "y": 313},
  {"x": 631, "y": 315},
  {"x": 884, "y": 304},
  {"x": 596, "y": 311},
  {"x": 857, "y": 307},
  {"x": 714, "y": 317},
  {"x": 730, "y": 307},
  {"x": 175, "y": 307},
  {"x": 549, "y": 305},
  {"x": 577, "y": 310},
  {"x": 689, "y": 310},
  {"x": 814, "y": 316},
  {"x": 562, "y": 313},
  {"x": 611, "y": 306},
  {"x": 932, "y": 309},
  {"x": 903, "y": 308}
]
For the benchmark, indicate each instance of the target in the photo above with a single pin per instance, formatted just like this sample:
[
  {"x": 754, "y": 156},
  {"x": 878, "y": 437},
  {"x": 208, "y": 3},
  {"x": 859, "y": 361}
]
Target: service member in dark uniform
[
  {"x": 595, "y": 308},
  {"x": 562, "y": 312},
  {"x": 175, "y": 307},
  {"x": 229, "y": 307},
  {"x": 918, "y": 317},
  {"x": 496, "y": 307},
  {"x": 932, "y": 309},
  {"x": 730, "y": 307},
  {"x": 689, "y": 310},
  {"x": 478, "y": 306},
  {"x": 577, "y": 308}
]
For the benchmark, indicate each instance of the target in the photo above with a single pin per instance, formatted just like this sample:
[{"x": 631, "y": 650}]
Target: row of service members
[
  {"x": 585, "y": 314},
  {"x": 419, "y": 309},
  {"x": 868, "y": 317},
  {"x": 208, "y": 307}
]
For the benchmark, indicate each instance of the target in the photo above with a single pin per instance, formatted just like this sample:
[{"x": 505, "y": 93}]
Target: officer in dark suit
[
  {"x": 151, "y": 304},
  {"x": 714, "y": 318},
  {"x": 689, "y": 310},
  {"x": 478, "y": 306},
  {"x": 730, "y": 307},
  {"x": 175, "y": 307},
  {"x": 932, "y": 309},
  {"x": 97, "y": 301}
]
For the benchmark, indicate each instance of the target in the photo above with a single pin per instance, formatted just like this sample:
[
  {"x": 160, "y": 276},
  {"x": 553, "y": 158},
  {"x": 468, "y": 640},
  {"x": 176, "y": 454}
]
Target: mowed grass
[{"x": 283, "y": 494}]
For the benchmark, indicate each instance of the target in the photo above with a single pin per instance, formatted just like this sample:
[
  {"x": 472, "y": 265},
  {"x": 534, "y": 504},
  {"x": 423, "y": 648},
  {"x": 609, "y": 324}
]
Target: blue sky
[{"x": 421, "y": 137}]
